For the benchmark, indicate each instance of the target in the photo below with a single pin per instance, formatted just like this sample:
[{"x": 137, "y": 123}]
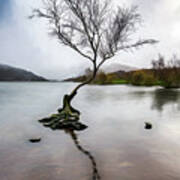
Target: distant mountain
[
  {"x": 9, "y": 73},
  {"x": 114, "y": 67}
]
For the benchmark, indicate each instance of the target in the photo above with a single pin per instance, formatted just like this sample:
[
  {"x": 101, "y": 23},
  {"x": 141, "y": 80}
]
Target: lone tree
[{"x": 94, "y": 29}]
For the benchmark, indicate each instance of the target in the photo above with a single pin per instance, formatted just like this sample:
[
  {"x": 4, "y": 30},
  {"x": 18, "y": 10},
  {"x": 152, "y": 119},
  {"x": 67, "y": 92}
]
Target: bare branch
[
  {"x": 92, "y": 27},
  {"x": 138, "y": 44}
]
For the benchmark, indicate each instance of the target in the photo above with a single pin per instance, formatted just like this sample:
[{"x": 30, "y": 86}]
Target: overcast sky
[{"x": 25, "y": 43}]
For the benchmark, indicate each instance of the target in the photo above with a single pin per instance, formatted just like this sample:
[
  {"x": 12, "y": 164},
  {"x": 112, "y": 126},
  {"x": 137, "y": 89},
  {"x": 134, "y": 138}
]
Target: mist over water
[{"x": 116, "y": 139}]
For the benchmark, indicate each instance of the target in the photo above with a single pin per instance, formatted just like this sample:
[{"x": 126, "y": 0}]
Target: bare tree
[
  {"x": 93, "y": 28},
  {"x": 158, "y": 64}
]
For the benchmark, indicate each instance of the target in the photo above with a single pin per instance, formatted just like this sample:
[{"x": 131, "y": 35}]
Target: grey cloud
[{"x": 25, "y": 43}]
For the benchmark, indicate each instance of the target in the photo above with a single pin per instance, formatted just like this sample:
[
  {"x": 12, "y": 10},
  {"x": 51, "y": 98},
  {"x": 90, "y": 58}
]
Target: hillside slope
[{"x": 9, "y": 73}]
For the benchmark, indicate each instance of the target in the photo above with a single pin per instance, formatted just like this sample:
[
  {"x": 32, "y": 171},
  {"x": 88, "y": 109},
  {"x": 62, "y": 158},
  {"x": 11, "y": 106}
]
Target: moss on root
[
  {"x": 68, "y": 112},
  {"x": 66, "y": 118}
]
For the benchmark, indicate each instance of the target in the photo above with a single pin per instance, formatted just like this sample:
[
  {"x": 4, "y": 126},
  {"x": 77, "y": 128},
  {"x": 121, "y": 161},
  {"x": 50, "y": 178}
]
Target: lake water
[{"x": 116, "y": 146}]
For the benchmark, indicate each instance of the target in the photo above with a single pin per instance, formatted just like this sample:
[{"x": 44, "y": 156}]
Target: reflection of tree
[
  {"x": 163, "y": 97},
  {"x": 69, "y": 126},
  {"x": 95, "y": 175}
]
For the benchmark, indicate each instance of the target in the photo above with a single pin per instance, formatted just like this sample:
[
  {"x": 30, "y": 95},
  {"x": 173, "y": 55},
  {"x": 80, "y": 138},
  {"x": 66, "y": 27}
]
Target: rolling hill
[{"x": 9, "y": 73}]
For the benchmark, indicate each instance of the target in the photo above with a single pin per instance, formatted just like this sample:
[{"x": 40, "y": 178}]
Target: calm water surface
[{"x": 114, "y": 147}]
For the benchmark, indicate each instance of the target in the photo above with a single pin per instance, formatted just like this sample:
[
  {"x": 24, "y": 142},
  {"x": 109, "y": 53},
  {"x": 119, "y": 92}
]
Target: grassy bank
[
  {"x": 162, "y": 74},
  {"x": 167, "y": 78}
]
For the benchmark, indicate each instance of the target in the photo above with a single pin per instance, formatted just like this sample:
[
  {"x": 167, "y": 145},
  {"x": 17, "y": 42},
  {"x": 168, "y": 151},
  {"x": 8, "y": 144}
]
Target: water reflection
[
  {"x": 69, "y": 127},
  {"x": 162, "y": 97},
  {"x": 73, "y": 135},
  {"x": 115, "y": 116}
]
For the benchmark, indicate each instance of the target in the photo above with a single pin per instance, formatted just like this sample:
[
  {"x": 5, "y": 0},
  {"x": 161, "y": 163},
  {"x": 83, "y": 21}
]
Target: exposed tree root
[{"x": 67, "y": 118}]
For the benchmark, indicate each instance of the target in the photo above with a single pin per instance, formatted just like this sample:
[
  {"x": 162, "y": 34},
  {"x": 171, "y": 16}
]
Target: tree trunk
[
  {"x": 67, "y": 108},
  {"x": 68, "y": 116}
]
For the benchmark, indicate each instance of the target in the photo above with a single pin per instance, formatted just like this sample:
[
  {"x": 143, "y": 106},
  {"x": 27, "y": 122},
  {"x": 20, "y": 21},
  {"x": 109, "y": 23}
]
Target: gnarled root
[
  {"x": 67, "y": 118},
  {"x": 68, "y": 111}
]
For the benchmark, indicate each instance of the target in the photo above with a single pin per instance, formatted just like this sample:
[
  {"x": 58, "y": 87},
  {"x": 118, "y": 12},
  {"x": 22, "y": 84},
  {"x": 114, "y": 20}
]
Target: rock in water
[
  {"x": 148, "y": 125},
  {"x": 37, "y": 140}
]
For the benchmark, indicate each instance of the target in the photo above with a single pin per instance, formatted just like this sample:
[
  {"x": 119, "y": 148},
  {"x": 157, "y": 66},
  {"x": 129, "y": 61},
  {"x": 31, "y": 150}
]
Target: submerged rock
[
  {"x": 37, "y": 140},
  {"x": 148, "y": 125}
]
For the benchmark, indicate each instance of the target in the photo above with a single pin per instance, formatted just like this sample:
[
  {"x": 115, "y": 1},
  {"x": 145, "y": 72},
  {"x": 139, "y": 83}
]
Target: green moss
[
  {"x": 119, "y": 81},
  {"x": 67, "y": 117}
]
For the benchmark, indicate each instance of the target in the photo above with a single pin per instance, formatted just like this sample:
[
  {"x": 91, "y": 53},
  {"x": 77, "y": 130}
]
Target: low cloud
[{"x": 25, "y": 42}]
